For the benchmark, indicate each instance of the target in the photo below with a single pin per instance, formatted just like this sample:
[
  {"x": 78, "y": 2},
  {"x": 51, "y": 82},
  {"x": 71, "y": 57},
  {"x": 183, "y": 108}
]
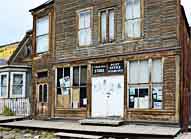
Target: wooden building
[
  {"x": 15, "y": 76},
  {"x": 112, "y": 58}
]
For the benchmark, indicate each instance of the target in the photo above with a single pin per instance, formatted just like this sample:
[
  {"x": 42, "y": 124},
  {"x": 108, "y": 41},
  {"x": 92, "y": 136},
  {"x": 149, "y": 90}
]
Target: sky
[{"x": 15, "y": 18}]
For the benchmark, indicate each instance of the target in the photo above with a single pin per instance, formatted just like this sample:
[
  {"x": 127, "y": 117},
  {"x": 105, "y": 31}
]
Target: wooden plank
[{"x": 77, "y": 136}]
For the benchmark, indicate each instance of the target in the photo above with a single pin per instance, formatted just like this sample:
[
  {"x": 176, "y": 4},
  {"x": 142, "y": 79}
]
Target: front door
[
  {"x": 42, "y": 100},
  {"x": 108, "y": 96}
]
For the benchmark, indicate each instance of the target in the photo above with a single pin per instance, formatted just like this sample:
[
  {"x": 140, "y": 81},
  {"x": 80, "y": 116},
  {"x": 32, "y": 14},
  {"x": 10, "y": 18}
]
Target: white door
[{"x": 107, "y": 96}]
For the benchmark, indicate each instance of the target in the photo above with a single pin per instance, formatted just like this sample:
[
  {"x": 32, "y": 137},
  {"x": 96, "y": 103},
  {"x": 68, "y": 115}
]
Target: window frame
[
  {"x": 90, "y": 9},
  {"x": 7, "y": 84},
  {"x": 107, "y": 12},
  {"x": 23, "y": 87},
  {"x": 72, "y": 86},
  {"x": 124, "y": 8},
  {"x": 42, "y": 35},
  {"x": 148, "y": 85},
  {"x": 38, "y": 86}
]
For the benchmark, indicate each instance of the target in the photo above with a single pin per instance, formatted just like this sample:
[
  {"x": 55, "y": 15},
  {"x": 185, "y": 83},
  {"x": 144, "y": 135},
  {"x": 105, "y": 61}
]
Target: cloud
[{"x": 15, "y": 18}]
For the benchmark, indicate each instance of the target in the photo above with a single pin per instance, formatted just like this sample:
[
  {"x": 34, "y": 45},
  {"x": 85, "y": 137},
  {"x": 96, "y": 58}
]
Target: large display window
[
  {"x": 145, "y": 84},
  {"x": 72, "y": 87}
]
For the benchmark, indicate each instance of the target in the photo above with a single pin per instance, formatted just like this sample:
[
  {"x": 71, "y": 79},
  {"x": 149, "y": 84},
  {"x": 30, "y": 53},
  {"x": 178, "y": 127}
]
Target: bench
[{"x": 76, "y": 136}]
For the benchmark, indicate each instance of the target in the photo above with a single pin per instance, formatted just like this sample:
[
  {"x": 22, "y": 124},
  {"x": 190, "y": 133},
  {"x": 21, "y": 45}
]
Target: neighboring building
[
  {"x": 15, "y": 76},
  {"x": 121, "y": 58}
]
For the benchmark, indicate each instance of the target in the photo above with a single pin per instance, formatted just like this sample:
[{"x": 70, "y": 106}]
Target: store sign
[
  {"x": 6, "y": 52},
  {"x": 100, "y": 68},
  {"x": 116, "y": 67}
]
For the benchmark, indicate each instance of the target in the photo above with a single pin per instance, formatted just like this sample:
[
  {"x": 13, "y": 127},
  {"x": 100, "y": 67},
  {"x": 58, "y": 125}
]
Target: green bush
[{"x": 7, "y": 112}]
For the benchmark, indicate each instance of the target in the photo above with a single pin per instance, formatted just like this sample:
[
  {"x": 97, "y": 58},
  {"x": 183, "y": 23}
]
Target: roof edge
[
  {"x": 49, "y": 2},
  {"x": 185, "y": 19}
]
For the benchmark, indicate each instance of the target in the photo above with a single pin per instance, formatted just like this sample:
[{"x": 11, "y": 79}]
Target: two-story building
[{"x": 124, "y": 59}]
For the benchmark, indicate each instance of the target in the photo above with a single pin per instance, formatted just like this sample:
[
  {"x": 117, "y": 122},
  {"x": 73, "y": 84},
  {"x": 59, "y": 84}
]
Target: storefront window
[
  {"x": 72, "y": 94},
  {"x": 157, "y": 84},
  {"x": 140, "y": 84}
]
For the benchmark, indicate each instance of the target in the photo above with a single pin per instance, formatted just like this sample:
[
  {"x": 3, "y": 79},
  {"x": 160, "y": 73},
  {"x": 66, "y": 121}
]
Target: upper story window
[
  {"x": 107, "y": 26},
  {"x": 42, "y": 30},
  {"x": 133, "y": 19},
  {"x": 84, "y": 32}
]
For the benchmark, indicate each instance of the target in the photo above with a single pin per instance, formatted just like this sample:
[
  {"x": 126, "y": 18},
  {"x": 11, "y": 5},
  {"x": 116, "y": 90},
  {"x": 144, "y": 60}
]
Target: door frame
[{"x": 123, "y": 96}]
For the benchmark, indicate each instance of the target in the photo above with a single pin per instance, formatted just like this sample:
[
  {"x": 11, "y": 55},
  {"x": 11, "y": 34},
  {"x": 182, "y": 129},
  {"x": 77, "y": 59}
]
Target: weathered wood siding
[
  {"x": 160, "y": 29},
  {"x": 185, "y": 70}
]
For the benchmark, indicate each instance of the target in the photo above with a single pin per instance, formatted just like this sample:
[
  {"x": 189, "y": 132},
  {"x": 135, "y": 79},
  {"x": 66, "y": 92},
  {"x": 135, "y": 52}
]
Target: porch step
[
  {"x": 102, "y": 122},
  {"x": 76, "y": 136}
]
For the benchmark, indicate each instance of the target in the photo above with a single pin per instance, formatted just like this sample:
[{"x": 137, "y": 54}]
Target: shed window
[
  {"x": 42, "y": 29},
  {"x": 107, "y": 26},
  {"x": 84, "y": 32},
  {"x": 133, "y": 18},
  {"x": 140, "y": 85}
]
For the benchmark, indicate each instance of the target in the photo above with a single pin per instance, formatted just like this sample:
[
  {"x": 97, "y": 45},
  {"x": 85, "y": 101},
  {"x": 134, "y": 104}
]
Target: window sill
[
  {"x": 132, "y": 40},
  {"x": 3, "y": 97},
  {"x": 84, "y": 46},
  {"x": 38, "y": 55},
  {"x": 70, "y": 109},
  {"x": 106, "y": 44},
  {"x": 17, "y": 96},
  {"x": 146, "y": 110}
]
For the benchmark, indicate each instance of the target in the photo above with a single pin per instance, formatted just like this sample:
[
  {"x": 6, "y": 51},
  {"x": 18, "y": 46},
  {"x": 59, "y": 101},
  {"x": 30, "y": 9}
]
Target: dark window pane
[
  {"x": 42, "y": 74},
  {"x": 59, "y": 91},
  {"x": 59, "y": 76},
  {"x": 40, "y": 93},
  {"x": 76, "y": 76},
  {"x": 83, "y": 97},
  {"x": 66, "y": 72},
  {"x": 143, "y": 92},
  {"x": 45, "y": 93},
  {"x": 83, "y": 75}
]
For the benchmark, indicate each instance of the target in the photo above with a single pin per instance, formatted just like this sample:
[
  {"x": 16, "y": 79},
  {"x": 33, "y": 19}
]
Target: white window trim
[
  {"x": 90, "y": 9},
  {"x": 24, "y": 85},
  {"x": 7, "y": 74},
  {"x": 37, "y": 36}
]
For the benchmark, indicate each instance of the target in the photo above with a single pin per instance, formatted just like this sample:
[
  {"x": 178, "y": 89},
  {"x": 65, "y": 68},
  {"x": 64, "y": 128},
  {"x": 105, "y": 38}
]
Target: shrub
[{"x": 7, "y": 111}]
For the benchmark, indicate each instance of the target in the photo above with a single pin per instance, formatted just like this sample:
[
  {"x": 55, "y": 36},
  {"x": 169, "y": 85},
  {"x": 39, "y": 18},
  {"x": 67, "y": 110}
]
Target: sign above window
[{"x": 115, "y": 67}]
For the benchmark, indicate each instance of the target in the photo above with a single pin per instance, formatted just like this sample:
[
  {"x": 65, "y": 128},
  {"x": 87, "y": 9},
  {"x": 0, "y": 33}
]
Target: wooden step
[
  {"x": 76, "y": 136},
  {"x": 102, "y": 122}
]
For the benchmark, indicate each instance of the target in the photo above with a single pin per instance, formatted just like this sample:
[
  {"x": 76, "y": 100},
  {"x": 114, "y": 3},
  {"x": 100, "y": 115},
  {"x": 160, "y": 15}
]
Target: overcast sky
[{"x": 16, "y": 20}]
